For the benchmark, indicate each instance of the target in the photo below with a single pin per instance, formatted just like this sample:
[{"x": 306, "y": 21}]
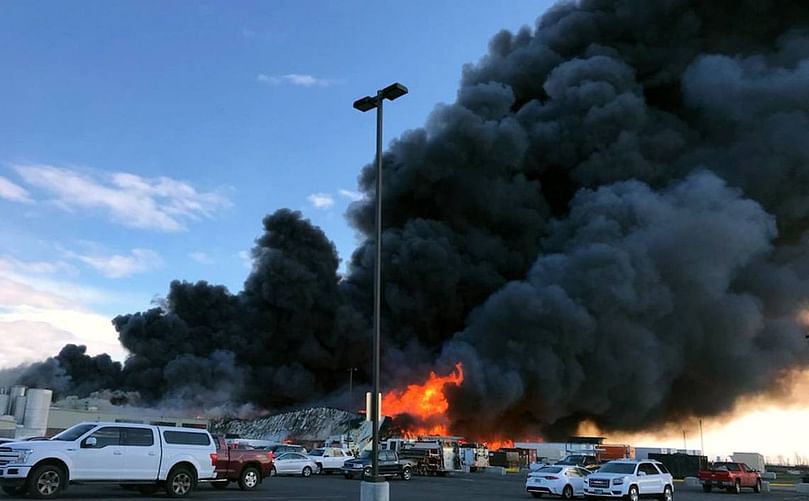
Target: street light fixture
[{"x": 367, "y": 103}]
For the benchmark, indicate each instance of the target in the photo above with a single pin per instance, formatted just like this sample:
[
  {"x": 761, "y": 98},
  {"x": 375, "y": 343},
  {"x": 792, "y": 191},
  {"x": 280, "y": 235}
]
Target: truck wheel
[
  {"x": 567, "y": 492},
  {"x": 668, "y": 495},
  {"x": 319, "y": 469},
  {"x": 46, "y": 481},
  {"x": 249, "y": 479},
  {"x": 220, "y": 485},
  {"x": 707, "y": 487},
  {"x": 407, "y": 473},
  {"x": 13, "y": 491},
  {"x": 737, "y": 488},
  {"x": 273, "y": 471},
  {"x": 180, "y": 482},
  {"x": 307, "y": 472},
  {"x": 757, "y": 488},
  {"x": 633, "y": 493},
  {"x": 349, "y": 476}
]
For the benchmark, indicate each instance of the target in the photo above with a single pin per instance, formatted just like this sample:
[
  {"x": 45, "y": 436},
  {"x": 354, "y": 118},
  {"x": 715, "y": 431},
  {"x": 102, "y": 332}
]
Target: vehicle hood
[
  {"x": 39, "y": 444},
  {"x": 607, "y": 476}
]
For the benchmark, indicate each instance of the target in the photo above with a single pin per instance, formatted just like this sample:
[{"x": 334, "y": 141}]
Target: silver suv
[{"x": 631, "y": 479}]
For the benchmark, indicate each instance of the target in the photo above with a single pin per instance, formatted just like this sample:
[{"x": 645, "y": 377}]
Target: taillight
[
  {"x": 214, "y": 458},
  {"x": 551, "y": 477},
  {"x": 270, "y": 455}
]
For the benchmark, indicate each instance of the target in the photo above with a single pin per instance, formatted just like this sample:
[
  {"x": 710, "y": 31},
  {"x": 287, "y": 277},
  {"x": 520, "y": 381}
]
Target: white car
[
  {"x": 631, "y": 479},
  {"x": 329, "y": 459},
  {"x": 293, "y": 463},
  {"x": 141, "y": 456},
  {"x": 566, "y": 481}
]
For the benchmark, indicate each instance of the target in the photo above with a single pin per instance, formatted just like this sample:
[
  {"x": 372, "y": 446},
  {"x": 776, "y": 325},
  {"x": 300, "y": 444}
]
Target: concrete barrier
[
  {"x": 802, "y": 488},
  {"x": 769, "y": 475},
  {"x": 765, "y": 486},
  {"x": 496, "y": 470},
  {"x": 691, "y": 482}
]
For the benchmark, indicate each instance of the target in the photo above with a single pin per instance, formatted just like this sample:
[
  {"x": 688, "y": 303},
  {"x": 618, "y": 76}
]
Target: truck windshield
[
  {"x": 573, "y": 459},
  {"x": 726, "y": 466},
  {"x": 627, "y": 468},
  {"x": 74, "y": 432}
]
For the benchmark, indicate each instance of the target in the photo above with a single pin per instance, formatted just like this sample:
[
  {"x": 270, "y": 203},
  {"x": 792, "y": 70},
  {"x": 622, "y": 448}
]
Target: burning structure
[{"x": 609, "y": 224}]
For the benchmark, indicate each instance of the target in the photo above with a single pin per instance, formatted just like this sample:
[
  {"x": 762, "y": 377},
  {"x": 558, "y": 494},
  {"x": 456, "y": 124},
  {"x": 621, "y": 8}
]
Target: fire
[
  {"x": 495, "y": 445},
  {"x": 423, "y": 400}
]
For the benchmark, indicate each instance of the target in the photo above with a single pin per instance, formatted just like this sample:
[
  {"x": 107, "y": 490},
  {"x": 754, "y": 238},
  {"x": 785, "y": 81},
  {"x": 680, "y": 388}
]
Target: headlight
[
  {"x": 586, "y": 481},
  {"x": 23, "y": 455},
  {"x": 617, "y": 481}
]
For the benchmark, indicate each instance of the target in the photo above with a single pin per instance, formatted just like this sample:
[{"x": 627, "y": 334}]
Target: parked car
[
  {"x": 566, "y": 481},
  {"x": 244, "y": 465},
  {"x": 732, "y": 477},
  {"x": 133, "y": 455},
  {"x": 389, "y": 466},
  {"x": 631, "y": 479},
  {"x": 329, "y": 459},
  {"x": 293, "y": 463}
]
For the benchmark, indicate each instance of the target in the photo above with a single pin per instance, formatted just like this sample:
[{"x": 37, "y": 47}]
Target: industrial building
[{"x": 29, "y": 412}]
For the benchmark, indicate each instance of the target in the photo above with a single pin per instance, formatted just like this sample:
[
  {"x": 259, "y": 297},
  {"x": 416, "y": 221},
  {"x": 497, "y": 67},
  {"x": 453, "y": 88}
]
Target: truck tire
[
  {"x": 407, "y": 473},
  {"x": 46, "y": 481},
  {"x": 757, "y": 488},
  {"x": 13, "y": 491},
  {"x": 273, "y": 471},
  {"x": 737, "y": 487},
  {"x": 319, "y": 469},
  {"x": 668, "y": 494},
  {"x": 180, "y": 482},
  {"x": 249, "y": 479},
  {"x": 707, "y": 487}
]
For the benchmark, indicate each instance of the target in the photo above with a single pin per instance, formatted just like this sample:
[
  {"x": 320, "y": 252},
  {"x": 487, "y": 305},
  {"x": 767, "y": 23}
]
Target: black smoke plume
[{"x": 608, "y": 224}]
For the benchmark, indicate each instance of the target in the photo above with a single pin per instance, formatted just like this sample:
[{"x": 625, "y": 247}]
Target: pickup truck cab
[
  {"x": 389, "y": 466},
  {"x": 137, "y": 456},
  {"x": 329, "y": 459},
  {"x": 241, "y": 464},
  {"x": 732, "y": 477},
  {"x": 630, "y": 479}
]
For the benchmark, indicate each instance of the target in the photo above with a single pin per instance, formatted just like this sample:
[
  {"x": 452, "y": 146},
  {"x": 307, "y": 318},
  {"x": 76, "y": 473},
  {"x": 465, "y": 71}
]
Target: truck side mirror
[
  {"x": 89, "y": 443},
  {"x": 641, "y": 473}
]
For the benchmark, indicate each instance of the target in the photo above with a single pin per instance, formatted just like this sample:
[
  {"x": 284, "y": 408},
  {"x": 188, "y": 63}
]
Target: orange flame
[
  {"x": 423, "y": 400},
  {"x": 495, "y": 445}
]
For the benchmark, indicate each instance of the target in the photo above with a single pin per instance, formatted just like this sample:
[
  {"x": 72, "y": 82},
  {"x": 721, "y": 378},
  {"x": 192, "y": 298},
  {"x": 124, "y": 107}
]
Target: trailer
[{"x": 433, "y": 455}]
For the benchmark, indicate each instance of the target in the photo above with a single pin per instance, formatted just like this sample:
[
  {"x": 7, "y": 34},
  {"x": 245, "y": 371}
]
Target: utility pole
[
  {"x": 351, "y": 372},
  {"x": 701, "y": 438},
  {"x": 685, "y": 447}
]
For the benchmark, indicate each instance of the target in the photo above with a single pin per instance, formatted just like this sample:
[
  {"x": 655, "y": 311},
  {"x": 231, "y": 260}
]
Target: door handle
[
  {"x": 153, "y": 454},
  {"x": 117, "y": 453}
]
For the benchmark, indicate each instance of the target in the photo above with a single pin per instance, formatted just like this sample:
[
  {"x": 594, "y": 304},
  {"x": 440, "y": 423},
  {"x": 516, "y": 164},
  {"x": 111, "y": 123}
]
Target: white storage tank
[
  {"x": 16, "y": 391},
  {"x": 4, "y": 400},
  {"x": 19, "y": 409},
  {"x": 37, "y": 409}
]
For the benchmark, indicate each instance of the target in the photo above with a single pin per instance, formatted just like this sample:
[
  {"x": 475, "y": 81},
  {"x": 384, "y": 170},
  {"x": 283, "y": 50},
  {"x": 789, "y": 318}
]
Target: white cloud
[
  {"x": 13, "y": 192},
  {"x": 354, "y": 196},
  {"x": 297, "y": 79},
  {"x": 23, "y": 341},
  {"x": 201, "y": 257},
  {"x": 320, "y": 200},
  {"x": 10, "y": 264},
  {"x": 159, "y": 203},
  {"x": 247, "y": 259},
  {"x": 118, "y": 266}
]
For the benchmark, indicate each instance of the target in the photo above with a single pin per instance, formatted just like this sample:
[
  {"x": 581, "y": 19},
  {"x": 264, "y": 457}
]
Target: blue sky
[{"x": 143, "y": 141}]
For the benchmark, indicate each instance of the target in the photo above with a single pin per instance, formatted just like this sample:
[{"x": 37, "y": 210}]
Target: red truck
[
  {"x": 242, "y": 464},
  {"x": 732, "y": 477}
]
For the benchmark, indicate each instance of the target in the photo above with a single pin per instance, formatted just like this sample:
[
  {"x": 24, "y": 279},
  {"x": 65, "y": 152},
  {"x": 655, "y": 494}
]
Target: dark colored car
[
  {"x": 389, "y": 466},
  {"x": 246, "y": 466}
]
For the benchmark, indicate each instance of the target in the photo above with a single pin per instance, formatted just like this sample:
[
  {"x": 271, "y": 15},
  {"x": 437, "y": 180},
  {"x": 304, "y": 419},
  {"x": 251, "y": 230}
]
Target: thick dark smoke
[{"x": 608, "y": 224}]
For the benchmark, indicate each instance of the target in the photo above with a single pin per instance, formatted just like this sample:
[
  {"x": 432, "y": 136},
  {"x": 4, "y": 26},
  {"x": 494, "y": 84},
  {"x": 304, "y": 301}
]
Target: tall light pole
[
  {"x": 351, "y": 372},
  {"x": 367, "y": 103}
]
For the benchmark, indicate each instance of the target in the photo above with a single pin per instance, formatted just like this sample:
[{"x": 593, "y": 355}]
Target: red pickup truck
[
  {"x": 730, "y": 476},
  {"x": 242, "y": 464}
]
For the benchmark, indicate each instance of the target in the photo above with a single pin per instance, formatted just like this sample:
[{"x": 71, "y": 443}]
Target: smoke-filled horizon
[{"x": 609, "y": 224}]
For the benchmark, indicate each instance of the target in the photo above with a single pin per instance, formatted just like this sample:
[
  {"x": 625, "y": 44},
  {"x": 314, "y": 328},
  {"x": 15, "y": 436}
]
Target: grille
[{"x": 599, "y": 483}]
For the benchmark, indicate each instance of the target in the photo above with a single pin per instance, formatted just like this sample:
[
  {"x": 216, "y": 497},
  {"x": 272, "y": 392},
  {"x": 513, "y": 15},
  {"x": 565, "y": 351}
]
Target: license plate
[{"x": 599, "y": 491}]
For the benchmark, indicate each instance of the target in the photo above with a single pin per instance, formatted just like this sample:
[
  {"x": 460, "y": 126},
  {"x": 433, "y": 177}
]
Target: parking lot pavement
[{"x": 473, "y": 487}]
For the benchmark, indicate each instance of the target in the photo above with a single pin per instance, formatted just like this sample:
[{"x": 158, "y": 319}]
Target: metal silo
[
  {"x": 37, "y": 409},
  {"x": 16, "y": 391},
  {"x": 19, "y": 409},
  {"x": 4, "y": 401}
]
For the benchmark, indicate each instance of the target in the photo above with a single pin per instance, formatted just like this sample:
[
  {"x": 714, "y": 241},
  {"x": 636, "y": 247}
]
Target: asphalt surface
[{"x": 471, "y": 487}]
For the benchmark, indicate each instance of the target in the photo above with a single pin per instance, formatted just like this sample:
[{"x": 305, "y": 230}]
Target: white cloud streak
[
  {"x": 120, "y": 266},
  {"x": 296, "y": 79},
  {"x": 201, "y": 257},
  {"x": 13, "y": 192},
  {"x": 321, "y": 200},
  {"x": 161, "y": 203},
  {"x": 354, "y": 196}
]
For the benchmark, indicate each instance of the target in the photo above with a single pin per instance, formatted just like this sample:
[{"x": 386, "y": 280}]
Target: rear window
[
  {"x": 550, "y": 469},
  {"x": 186, "y": 438}
]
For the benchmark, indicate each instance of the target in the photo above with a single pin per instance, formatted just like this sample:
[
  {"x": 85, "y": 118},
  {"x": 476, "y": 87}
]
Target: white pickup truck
[
  {"x": 329, "y": 459},
  {"x": 135, "y": 456}
]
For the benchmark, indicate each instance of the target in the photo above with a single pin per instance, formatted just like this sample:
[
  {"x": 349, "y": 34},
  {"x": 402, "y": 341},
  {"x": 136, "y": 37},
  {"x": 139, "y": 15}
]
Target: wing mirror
[
  {"x": 89, "y": 443},
  {"x": 641, "y": 473}
]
